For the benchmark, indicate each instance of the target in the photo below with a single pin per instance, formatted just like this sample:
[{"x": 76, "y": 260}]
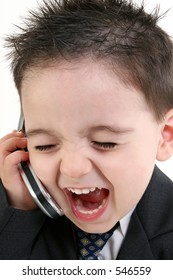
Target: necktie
[{"x": 90, "y": 244}]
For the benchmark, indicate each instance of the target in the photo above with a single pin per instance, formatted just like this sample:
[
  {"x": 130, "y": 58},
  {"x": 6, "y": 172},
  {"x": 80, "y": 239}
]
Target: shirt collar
[{"x": 124, "y": 222}]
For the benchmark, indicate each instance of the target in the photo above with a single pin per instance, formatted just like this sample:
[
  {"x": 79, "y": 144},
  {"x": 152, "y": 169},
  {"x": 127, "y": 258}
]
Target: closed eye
[
  {"x": 104, "y": 145},
  {"x": 44, "y": 147}
]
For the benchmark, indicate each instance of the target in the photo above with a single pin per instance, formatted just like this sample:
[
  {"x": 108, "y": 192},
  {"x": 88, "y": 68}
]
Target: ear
[{"x": 165, "y": 149}]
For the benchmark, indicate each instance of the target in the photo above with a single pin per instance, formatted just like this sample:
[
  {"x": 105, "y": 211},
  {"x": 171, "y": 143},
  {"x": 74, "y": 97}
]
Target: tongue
[{"x": 96, "y": 196}]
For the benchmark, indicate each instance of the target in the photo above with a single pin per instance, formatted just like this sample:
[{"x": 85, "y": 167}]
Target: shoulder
[
  {"x": 155, "y": 209},
  {"x": 155, "y": 212}
]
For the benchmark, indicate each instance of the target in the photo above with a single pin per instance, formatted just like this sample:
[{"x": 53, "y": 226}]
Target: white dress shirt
[{"x": 113, "y": 245}]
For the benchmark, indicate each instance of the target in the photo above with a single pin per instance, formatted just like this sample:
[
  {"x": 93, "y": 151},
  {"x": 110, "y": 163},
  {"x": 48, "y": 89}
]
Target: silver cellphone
[{"x": 38, "y": 192}]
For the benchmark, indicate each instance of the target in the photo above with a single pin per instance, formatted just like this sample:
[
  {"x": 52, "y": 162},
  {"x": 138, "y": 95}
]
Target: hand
[{"x": 10, "y": 156}]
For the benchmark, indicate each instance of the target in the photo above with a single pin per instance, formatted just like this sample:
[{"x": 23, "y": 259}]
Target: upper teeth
[{"x": 82, "y": 191}]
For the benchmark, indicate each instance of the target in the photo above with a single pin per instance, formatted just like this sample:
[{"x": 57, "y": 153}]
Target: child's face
[{"x": 89, "y": 133}]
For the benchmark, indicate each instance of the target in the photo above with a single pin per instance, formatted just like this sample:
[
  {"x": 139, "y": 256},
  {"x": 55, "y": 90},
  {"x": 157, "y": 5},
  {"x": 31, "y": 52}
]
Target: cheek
[
  {"x": 45, "y": 168},
  {"x": 129, "y": 173}
]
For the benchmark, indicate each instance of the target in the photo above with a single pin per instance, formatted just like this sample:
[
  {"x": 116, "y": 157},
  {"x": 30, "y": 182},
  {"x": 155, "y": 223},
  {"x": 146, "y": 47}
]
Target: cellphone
[{"x": 38, "y": 192}]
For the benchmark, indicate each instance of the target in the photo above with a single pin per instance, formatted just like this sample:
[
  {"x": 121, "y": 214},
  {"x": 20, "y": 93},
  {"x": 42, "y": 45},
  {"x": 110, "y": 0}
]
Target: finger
[
  {"x": 18, "y": 195},
  {"x": 12, "y": 160},
  {"x": 12, "y": 144},
  {"x": 10, "y": 165},
  {"x": 16, "y": 133}
]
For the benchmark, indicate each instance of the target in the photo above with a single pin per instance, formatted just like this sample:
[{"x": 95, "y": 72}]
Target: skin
[{"x": 76, "y": 107}]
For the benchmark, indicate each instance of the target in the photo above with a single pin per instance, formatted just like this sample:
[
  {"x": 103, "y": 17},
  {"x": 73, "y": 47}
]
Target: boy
[{"x": 95, "y": 79}]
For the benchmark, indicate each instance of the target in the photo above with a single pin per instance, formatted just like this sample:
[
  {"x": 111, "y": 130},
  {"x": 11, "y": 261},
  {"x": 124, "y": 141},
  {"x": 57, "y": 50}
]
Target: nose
[{"x": 74, "y": 165}]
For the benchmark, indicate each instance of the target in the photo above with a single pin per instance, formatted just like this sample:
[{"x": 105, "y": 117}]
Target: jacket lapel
[{"x": 136, "y": 245}]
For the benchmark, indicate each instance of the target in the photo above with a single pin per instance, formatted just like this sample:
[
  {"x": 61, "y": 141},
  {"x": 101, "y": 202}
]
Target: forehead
[
  {"x": 84, "y": 69},
  {"x": 72, "y": 88}
]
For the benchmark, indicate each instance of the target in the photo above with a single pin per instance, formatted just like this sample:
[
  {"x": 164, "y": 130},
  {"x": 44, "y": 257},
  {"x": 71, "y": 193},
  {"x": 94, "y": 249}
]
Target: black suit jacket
[{"x": 32, "y": 235}]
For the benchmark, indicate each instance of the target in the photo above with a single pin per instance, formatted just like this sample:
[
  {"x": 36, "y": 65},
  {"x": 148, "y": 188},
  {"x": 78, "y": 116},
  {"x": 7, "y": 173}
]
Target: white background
[{"x": 11, "y": 12}]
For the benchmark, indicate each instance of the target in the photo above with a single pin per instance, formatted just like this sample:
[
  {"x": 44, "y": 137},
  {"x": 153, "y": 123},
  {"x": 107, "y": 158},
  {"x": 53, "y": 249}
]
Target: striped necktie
[{"x": 90, "y": 244}]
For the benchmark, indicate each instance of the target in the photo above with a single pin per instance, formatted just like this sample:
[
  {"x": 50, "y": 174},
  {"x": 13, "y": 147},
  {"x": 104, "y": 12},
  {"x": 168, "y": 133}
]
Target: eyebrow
[
  {"x": 93, "y": 129},
  {"x": 39, "y": 131},
  {"x": 116, "y": 130}
]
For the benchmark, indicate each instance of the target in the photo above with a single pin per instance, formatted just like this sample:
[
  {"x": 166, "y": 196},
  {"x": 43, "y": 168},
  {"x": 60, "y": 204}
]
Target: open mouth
[{"x": 88, "y": 202}]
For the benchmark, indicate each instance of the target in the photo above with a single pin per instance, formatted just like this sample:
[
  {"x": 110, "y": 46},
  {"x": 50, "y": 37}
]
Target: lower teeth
[{"x": 84, "y": 211}]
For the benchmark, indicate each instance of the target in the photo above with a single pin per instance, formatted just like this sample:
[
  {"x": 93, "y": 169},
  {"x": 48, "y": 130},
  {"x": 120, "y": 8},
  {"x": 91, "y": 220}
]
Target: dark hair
[{"x": 116, "y": 31}]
